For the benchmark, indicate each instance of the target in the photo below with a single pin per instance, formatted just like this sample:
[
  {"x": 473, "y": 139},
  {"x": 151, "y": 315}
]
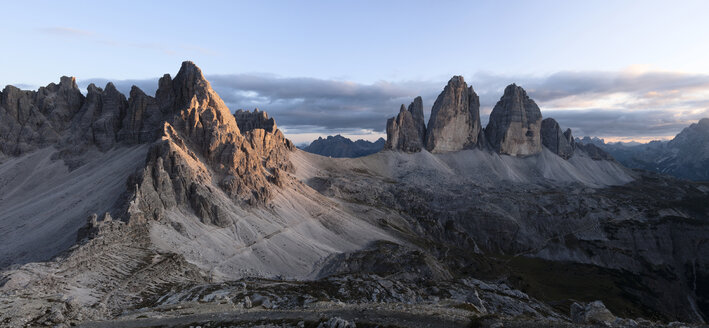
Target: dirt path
[{"x": 357, "y": 314}]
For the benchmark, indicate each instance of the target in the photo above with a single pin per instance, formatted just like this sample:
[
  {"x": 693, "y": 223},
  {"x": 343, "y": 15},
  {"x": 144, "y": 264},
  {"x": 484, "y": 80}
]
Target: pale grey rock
[
  {"x": 559, "y": 143},
  {"x": 515, "y": 124},
  {"x": 455, "y": 118}
]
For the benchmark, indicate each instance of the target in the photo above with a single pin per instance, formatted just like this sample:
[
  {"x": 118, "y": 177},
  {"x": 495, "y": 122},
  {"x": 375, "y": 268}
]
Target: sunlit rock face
[
  {"x": 200, "y": 146},
  {"x": 455, "y": 118},
  {"x": 515, "y": 124}
]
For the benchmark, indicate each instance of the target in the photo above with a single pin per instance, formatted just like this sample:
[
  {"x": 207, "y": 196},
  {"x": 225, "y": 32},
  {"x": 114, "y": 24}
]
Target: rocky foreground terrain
[{"x": 170, "y": 210}]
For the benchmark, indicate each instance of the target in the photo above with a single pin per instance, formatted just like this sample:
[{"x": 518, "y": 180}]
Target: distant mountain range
[
  {"x": 686, "y": 156},
  {"x": 339, "y": 146}
]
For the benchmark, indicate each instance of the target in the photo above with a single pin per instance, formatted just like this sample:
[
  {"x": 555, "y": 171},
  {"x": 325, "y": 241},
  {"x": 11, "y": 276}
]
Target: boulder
[
  {"x": 455, "y": 118},
  {"x": 592, "y": 313},
  {"x": 337, "y": 322},
  {"x": 515, "y": 124}
]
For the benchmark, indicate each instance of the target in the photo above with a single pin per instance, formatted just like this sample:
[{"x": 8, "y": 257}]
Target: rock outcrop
[
  {"x": 31, "y": 120},
  {"x": 265, "y": 138},
  {"x": 594, "y": 152},
  {"x": 515, "y": 124},
  {"x": 403, "y": 132},
  {"x": 196, "y": 140},
  {"x": 416, "y": 110},
  {"x": 455, "y": 118},
  {"x": 200, "y": 147},
  {"x": 247, "y": 120},
  {"x": 100, "y": 119},
  {"x": 559, "y": 143}
]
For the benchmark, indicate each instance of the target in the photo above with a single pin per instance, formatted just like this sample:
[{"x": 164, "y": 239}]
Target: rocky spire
[
  {"x": 569, "y": 138},
  {"x": 33, "y": 119},
  {"x": 99, "y": 120},
  {"x": 191, "y": 90},
  {"x": 416, "y": 110},
  {"x": 557, "y": 142},
  {"x": 515, "y": 124},
  {"x": 257, "y": 119},
  {"x": 455, "y": 118},
  {"x": 403, "y": 132}
]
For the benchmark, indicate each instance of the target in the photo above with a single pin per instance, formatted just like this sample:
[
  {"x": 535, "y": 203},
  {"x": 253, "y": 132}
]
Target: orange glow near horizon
[{"x": 636, "y": 139}]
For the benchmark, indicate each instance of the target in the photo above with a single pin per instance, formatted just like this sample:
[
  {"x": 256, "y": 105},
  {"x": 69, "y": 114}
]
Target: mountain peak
[
  {"x": 514, "y": 89},
  {"x": 704, "y": 122},
  {"x": 455, "y": 118},
  {"x": 68, "y": 82},
  {"x": 190, "y": 82},
  {"x": 456, "y": 80},
  {"x": 515, "y": 123},
  {"x": 189, "y": 67}
]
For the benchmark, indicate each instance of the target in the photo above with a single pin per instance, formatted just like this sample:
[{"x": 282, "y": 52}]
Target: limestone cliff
[
  {"x": 455, "y": 118},
  {"x": 515, "y": 124}
]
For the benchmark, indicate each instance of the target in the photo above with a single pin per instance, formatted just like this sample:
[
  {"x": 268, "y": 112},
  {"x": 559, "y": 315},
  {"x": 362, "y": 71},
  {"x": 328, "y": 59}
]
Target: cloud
[
  {"x": 329, "y": 105},
  {"x": 65, "y": 31},
  {"x": 626, "y": 104},
  {"x": 625, "y": 125}
]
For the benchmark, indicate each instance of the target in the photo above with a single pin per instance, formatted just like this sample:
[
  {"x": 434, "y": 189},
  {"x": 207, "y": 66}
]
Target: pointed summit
[
  {"x": 68, "y": 82},
  {"x": 406, "y": 131},
  {"x": 416, "y": 110},
  {"x": 515, "y": 124},
  {"x": 190, "y": 85},
  {"x": 455, "y": 118}
]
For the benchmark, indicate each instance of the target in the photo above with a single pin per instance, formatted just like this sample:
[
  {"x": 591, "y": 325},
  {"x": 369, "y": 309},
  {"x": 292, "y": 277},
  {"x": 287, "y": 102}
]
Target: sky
[{"x": 619, "y": 70}]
